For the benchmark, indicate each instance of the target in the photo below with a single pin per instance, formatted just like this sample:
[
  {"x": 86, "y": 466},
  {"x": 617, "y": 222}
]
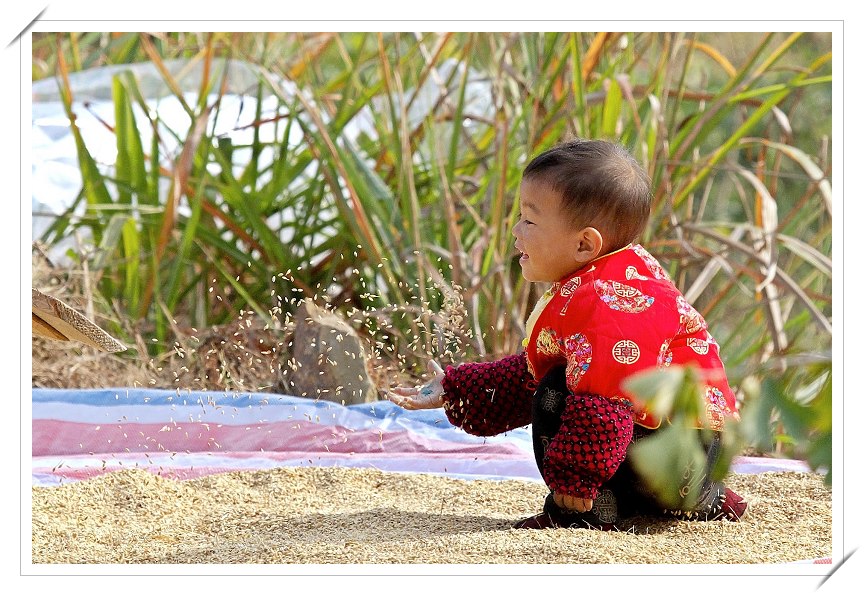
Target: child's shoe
[
  {"x": 731, "y": 506},
  {"x": 721, "y": 503}
]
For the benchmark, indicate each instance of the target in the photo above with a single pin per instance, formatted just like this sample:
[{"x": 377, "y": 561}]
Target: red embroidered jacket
[{"x": 617, "y": 316}]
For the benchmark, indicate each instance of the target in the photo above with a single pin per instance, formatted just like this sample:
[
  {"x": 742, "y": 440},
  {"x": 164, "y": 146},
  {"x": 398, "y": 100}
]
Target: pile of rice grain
[{"x": 361, "y": 516}]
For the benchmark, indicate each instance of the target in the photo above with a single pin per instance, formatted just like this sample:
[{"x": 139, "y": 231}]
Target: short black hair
[{"x": 601, "y": 185}]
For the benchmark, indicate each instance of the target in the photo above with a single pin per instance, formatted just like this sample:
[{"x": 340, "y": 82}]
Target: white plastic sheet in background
[{"x": 56, "y": 174}]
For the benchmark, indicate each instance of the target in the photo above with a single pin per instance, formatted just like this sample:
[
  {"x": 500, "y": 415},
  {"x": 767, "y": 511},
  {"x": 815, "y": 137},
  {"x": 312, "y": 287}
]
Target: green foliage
[
  {"x": 792, "y": 410},
  {"x": 792, "y": 414},
  {"x": 673, "y": 456},
  {"x": 663, "y": 460},
  {"x": 413, "y": 214}
]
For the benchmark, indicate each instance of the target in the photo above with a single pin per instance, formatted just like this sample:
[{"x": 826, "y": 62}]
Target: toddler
[{"x": 611, "y": 311}]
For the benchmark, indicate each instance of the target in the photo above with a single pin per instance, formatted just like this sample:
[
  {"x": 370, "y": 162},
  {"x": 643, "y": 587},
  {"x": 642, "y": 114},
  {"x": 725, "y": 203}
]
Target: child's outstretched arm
[
  {"x": 427, "y": 396},
  {"x": 481, "y": 398}
]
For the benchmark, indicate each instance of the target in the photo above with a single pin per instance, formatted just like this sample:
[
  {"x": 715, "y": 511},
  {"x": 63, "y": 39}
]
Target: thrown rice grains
[{"x": 360, "y": 516}]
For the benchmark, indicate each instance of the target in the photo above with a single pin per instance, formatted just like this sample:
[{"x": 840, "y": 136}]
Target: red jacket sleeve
[
  {"x": 590, "y": 445},
  {"x": 489, "y": 398}
]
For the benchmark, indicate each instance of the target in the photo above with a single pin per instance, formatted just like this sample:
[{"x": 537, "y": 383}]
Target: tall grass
[{"x": 415, "y": 209}]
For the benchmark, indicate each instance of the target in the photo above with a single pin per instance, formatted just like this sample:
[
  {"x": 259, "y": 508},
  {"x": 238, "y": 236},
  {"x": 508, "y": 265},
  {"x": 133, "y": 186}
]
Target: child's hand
[
  {"x": 572, "y": 503},
  {"x": 424, "y": 397}
]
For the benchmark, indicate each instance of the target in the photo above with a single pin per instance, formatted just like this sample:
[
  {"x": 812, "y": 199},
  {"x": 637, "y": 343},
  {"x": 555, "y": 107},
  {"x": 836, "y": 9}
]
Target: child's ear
[{"x": 590, "y": 244}]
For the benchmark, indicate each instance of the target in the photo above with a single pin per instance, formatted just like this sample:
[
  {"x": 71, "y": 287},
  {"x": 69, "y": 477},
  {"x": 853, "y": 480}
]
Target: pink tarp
[{"x": 83, "y": 433}]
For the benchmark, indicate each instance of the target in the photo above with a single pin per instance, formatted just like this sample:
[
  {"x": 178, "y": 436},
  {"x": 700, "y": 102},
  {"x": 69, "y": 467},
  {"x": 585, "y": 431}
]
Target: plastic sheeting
[{"x": 81, "y": 433}]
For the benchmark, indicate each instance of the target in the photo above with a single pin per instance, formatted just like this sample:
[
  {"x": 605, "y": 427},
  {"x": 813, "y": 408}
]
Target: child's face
[{"x": 545, "y": 235}]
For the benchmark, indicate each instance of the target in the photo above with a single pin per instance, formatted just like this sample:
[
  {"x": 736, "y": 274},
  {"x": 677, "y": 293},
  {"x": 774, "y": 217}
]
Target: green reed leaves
[{"x": 382, "y": 169}]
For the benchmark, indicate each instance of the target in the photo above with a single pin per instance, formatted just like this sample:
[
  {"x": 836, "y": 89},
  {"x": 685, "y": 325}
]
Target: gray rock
[{"x": 329, "y": 358}]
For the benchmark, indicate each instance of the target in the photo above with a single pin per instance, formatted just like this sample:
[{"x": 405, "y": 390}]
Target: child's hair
[{"x": 601, "y": 185}]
